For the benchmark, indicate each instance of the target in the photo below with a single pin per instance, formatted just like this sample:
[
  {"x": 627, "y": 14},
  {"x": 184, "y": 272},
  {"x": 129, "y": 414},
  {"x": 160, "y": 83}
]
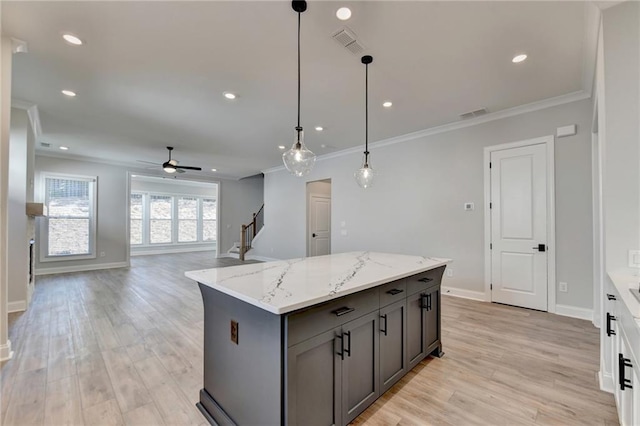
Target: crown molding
[{"x": 498, "y": 115}]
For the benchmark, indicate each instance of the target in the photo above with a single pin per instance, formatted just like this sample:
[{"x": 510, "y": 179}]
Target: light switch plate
[
  {"x": 469, "y": 206},
  {"x": 634, "y": 258}
]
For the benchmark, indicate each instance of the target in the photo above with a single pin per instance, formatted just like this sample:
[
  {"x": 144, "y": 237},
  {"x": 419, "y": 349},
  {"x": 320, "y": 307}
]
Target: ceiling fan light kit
[
  {"x": 171, "y": 166},
  {"x": 299, "y": 159},
  {"x": 364, "y": 176}
]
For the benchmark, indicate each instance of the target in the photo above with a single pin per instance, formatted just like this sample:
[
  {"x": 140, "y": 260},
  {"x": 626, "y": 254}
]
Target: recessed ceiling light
[
  {"x": 281, "y": 147},
  {"x": 71, "y": 39},
  {"x": 229, "y": 95},
  {"x": 134, "y": 175},
  {"x": 64, "y": 148},
  {"x": 214, "y": 170},
  {"x": 387, "y": 104},
  {"x": 319, "y": 128},
  {"x": 343, "y": 13},
  {"x": 323, "y": 146},
  {"x": 519, "y": 58},
  {"x": 69, "y": 93}
]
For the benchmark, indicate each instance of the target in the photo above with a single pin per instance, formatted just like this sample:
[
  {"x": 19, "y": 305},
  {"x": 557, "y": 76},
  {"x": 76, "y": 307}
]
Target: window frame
[
  {"x": 146, "y": 220},
  {"x": 93, "y": 219}
]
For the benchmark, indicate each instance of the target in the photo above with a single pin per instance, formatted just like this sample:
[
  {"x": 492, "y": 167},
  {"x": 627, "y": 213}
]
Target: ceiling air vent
[
  {"x": 348, "y": 40},
  {"x": 45, "y": 145},
  {"x": 473, "y": 114}
]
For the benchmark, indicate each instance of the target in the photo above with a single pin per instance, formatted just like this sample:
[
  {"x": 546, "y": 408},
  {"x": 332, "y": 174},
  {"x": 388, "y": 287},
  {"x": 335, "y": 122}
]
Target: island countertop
[{"x": 284, "y": 286}]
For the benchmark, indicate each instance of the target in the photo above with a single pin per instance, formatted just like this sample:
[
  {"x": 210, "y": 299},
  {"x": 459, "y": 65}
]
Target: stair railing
[{"x": 249, "y": 232}]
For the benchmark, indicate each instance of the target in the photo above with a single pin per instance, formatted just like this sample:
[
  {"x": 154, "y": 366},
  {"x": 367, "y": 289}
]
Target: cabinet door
[
  {"x": 314, "y": 380},
  {"x": 360, "y": 368},
  {"x": 432, "y": 313},
  {"x": 416, "y": 322},
  {"x": 393, "y": 331}
]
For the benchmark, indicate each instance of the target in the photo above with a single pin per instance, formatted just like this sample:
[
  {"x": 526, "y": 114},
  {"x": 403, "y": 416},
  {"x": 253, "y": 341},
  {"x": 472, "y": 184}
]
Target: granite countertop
[{"x": 284, "y": 286}]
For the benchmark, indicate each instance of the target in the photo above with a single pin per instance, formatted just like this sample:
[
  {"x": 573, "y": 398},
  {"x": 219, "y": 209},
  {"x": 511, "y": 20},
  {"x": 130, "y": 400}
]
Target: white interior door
[
  {"x": 519, "y": 226},
  {"x": 319, "y": 225}
]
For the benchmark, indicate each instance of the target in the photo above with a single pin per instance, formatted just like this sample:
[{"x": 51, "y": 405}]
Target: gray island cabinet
[{"x": 314, "y": 341}]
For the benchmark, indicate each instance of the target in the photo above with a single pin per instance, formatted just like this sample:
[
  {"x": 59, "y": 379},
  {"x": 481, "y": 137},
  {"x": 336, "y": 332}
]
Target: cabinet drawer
[
  {"x": 392, "y": 292},
  {"x": 311, "y": 322},
  {"x": 424, "y": 280}
]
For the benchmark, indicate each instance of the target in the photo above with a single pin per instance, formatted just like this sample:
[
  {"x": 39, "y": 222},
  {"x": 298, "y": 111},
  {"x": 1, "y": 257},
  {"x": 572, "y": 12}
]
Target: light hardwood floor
[{"x": 124, "y": 346}]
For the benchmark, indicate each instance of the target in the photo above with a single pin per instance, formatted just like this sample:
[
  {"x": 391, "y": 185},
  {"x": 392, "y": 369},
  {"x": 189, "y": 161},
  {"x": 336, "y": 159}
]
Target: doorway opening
[
  {"x": 319, "y": 218},
  {"x": 172, "y": 216}
]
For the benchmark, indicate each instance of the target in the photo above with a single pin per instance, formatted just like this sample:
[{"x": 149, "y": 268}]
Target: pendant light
[
  {"x": 299, "y": 160},
  {"x": 364, "y": 176}
]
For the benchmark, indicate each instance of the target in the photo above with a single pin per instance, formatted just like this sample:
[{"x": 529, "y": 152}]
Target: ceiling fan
[{"x": 171, "y": 166}]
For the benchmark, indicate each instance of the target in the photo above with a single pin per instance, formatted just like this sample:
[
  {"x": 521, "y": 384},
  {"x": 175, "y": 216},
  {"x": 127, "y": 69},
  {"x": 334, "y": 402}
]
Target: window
[
  {"x": 163, "y": 219},
  {"x": 187, "y": 219},
  {"x": 160, "y": 223},
  {"x": 209, "y": 226},
  {"x": 69, "y": 228},
  {"x": 136, "y": 206}
]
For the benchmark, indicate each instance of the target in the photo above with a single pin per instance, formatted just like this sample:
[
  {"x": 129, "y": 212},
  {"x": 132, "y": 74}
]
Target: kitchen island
[{"x": 314, "y": 340}]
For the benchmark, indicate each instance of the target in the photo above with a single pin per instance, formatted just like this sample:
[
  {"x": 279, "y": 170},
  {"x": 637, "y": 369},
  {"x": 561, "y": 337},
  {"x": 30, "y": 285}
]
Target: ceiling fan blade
[
  {"x": 149, "y": 162},
  {"x": 188, "y": 167}
]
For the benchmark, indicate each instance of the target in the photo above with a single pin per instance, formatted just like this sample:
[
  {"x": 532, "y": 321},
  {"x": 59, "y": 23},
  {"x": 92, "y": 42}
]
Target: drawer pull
[
  {"x": 623, "y": 381},
  {"x": 610, "y": 331},
  {"x": 611, "y": 297},
  {"x": 343, "y": 311},
  {"x": 425, "y": 280},
  {"x": 394, "y": 291}
]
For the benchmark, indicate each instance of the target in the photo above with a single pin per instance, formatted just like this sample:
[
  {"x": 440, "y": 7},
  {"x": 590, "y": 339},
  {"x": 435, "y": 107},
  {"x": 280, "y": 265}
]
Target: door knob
[
  {"x": 313, "y": 235},
  {"x": 540, "y": 247}
]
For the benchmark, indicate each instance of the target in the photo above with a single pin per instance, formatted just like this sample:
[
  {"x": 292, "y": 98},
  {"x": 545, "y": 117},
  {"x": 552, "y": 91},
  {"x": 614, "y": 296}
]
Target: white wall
[
  {"x": 621, "y": 109},
  {"x": 238, "y": 199},
  {"x": 416, "y": 204},
  {"x": 18, "y": 255}
]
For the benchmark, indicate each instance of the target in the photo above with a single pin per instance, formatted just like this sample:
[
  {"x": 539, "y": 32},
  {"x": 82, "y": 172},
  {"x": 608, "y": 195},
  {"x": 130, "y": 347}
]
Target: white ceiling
[{"x": 152, "y": 74}]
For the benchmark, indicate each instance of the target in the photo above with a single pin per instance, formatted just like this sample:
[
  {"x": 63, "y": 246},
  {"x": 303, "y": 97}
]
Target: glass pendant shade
[
  {"x": 299, "y": 160},
  {"x": 364, "y": 176}
]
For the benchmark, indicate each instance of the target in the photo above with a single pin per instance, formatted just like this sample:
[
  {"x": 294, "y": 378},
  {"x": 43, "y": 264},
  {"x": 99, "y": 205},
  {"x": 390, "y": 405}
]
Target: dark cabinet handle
[
  {"x": 342, "y": 311},
  {"x": 623, "y": 381},
  {"x": 347, "y": 350},
  {"x": 540, "y": 248},
  {"x": 313, "y": 235},
  {"x": 610, "y": 331},
  {"x": 429, "y": 301},
  {"x": 611, "y": 297},
  {"x": 341, "y": 353},
  {"x": 425, "y": 301},
  {"x": 384, "y": 317},
  {"x": 394, "y": 291},
  {"x": 425, "y": 280}
]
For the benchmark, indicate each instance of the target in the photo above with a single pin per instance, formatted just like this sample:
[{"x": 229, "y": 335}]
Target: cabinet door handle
[
  {"x": 622, "y": 380},
  {"x": 429, "y": 301},
  {"x": 424, "y": 303},
  {"x": 341, "y": 353},
  {"x": 384, "y": 317},
  {"x": 347, "y": 350},
  {"x": 394, "y": 291},
  {"x": 610, "y": 331},
  {"x": 425, "y": 280},
  {"x": 611, "y": 296},
  {"x": 342, "y": 311}
]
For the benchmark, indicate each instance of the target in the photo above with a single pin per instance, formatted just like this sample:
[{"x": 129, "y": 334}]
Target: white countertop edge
[
  {"x": 313, "y": 301},
  {"x": 622, "y": 280}
]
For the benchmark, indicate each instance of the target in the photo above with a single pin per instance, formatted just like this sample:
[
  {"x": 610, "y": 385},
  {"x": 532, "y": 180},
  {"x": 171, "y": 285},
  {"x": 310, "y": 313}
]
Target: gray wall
[
  {"x": 18, "y": 253},
  {"x": 621, "y": 30},
  {"x": 416, "y": 204},
  {"x": 238, "y": 199}
]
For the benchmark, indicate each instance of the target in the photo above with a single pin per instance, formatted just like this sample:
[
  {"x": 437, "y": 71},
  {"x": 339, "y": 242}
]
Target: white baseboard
[
  {"x": 5, "y": 351},
  {"x": 460, "y": 292},
  {"x": 170, "y": 251},
  {"x": 261, "y": 258},
  {"x": 19, "y": 306},
  {"x": 606, "y": 382},
  {"x": 81, "y": 268},
  {"x": 574, "y": 312}
]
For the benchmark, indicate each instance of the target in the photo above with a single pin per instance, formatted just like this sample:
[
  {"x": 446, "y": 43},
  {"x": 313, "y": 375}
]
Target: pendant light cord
[
  {"x": 366, "y": 115},
  {"x": 298, "y": 128}
]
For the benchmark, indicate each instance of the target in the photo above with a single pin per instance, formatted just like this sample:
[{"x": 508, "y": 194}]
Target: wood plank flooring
[{"x": 124, "y": 346}]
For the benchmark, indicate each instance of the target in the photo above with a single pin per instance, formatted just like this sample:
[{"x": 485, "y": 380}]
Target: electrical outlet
[
  {"x": 562, "y": 286},
  {"x": 469, "y": 206},
  {"x": 449, "y": 272},
  {"x": 234, "y": 331}
]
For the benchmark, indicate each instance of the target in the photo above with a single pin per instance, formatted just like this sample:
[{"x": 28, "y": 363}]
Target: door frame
[
  {"x": 549, "y": 141},
  {"x": 309, "y": 240}
]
